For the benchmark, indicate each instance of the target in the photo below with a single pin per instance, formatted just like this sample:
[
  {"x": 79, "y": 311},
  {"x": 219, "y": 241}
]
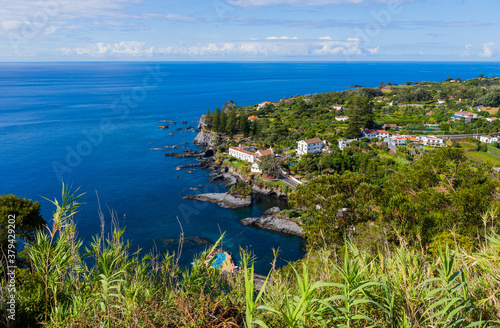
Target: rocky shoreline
[
  {"x": 272, "y": 220},
  {"x": 192, "y": 153},
  {"x": 223, "y": 199},
  {"x": 186, "y": 166},
  {"x": 276, "y": 224}
]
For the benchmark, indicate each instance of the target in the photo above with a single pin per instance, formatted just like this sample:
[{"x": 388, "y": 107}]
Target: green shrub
[{"x": 453, "y": 241}]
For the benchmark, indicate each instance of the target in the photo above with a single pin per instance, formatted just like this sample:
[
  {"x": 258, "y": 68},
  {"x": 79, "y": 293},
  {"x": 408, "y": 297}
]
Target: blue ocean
[{"x": 94, "y": 125}]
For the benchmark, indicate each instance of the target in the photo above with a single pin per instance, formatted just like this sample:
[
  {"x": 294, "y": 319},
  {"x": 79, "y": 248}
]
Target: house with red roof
[
  {"x": 432, "y": 141},
  {"x": 241, "y": 153}
]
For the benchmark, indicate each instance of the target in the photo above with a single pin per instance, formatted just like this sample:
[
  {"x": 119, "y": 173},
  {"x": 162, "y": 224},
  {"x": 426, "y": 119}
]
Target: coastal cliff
[{"x": 204, "y": 137}]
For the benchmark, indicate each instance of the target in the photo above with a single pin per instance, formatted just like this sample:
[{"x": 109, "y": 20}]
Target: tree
[
  {"x": 222, "y": 122},
  {"x": 216, "y": 119},
  {"x": 231, "y": 122},
  {"x": 335, "y": 204},
  {"x": 382, "y": 85},
  {"x": 27, "y": 219},
  {"x": 270, "y": 165},
  {"x": 355, "y": 124},
  {"x": 491, "y": 99},
  {"x": 244, "y": 126}
]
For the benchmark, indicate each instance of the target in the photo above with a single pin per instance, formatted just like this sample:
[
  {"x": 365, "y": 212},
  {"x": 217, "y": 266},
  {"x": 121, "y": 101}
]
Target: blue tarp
[{"x": 219, "y": 259}]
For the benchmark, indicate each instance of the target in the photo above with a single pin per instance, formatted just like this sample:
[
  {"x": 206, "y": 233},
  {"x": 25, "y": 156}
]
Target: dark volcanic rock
[
  {"x": 192, "y": 153},
  {"x": 276, "y": 224},
  {"x": 273, "y": 210},
  {"x": 186, "y": 166},
  {"x": 223, "y": 199}
]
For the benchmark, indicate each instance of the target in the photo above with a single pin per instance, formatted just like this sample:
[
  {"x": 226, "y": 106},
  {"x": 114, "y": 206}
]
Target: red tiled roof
[
  {"x": 382, "y": 131},
  {"x": 264, "y": 152},
  {"x": 370, "y": 131},
  {"x": 465, "y": 113},
  {"x": 242, "y": 151},
  {"x": 253, "y": 118}
]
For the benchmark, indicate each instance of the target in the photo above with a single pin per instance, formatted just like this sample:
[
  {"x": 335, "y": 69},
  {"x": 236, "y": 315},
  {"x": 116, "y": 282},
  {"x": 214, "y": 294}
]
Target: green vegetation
[
  {"x": 411, "y": 107},
  {"x": 405, "y": 240},
  {"x": 484, "y": 157},
  {"x": 27, "y": 220},
  {"x": 241, "y": 189},
  {"x": 105, "y": 285},
  {"x": 441, "y": 191}
]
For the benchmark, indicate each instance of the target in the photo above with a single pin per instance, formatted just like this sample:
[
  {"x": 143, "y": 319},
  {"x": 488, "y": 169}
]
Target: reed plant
[{"x": 104, "y": 284}]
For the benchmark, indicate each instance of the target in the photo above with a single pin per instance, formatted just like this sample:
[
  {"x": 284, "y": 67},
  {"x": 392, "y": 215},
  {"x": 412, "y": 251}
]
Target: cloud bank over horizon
[{"x": 236, "y": 29}]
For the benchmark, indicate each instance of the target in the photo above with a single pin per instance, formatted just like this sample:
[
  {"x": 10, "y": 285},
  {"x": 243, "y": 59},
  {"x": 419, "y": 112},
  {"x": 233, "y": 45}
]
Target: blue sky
[{"x": 250, "y": 30}]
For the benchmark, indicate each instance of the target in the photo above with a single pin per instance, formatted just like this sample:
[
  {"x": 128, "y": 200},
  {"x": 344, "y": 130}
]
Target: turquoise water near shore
[{"x": 92, "y": 124}]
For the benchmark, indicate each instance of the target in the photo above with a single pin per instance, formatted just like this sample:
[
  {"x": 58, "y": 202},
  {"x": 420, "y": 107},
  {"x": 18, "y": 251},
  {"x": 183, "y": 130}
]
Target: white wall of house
[
  {"x": 255, "y": 168},
  {"x": 242, "y": 155},
  {"x": 433, "y": 142},
  {"x": 314, "y": 148}
]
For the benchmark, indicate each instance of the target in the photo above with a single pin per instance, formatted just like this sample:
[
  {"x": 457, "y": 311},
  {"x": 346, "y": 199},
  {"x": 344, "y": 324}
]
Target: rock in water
[
  {"x": 223, "y": 199},
  {"x": 276, "y": 224},
  {"x": 273, "y": 210}
]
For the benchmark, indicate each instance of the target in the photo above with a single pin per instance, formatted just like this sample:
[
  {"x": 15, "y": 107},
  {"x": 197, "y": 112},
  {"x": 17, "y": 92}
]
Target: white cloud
[
  {"x": 49, "y": 16},
  {"x": 325, "y": 38},
  {"x": 468, "y": 48},
  {"x": 289, "y": 47},
  {"x": 127, "y": 48},
  {"x": 261, "y": 3},
  {"x": 489, "y": 49},
  {"x": 281, "y": 38},
  {"x": 11, "y": 25},
  {"x": 373, "y": 51}
]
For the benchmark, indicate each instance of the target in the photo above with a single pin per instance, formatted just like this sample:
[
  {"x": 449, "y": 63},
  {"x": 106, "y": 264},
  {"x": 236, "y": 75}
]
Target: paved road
[{"x": 289, "y": 181}]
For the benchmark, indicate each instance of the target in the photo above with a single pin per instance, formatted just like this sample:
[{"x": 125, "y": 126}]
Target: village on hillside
[{"x": 295, "y": 139}]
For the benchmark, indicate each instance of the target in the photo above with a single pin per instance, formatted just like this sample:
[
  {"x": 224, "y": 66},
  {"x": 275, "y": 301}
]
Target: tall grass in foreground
[{"x": 105, "y": 285}]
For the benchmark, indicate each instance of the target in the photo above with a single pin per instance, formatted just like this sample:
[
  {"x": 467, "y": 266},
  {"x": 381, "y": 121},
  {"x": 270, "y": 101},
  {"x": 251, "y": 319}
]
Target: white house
[
  {"x": 432, "y": 141},
  {"x": 382, "y": 134},
  {"x": 264, "y": 152},
  {"x": 337, "y": 107},
  {"x": 488, "y": 139},
  {"x": 341, "y": 118},
  {"x": 370, "y": 134},
  {"x": 467, "y": 117},
  {"x": 313, "y": 146},
  {"x": 398, "y": 140},
  {"x": 441, "y": 101},
  {"x": 262, "y": 105},
  {"x": 255, "y": 168},
  {"x": 491, "y": 119},
  {"x": 241, "y": 153},
  {"x": 344, "y": 143}
]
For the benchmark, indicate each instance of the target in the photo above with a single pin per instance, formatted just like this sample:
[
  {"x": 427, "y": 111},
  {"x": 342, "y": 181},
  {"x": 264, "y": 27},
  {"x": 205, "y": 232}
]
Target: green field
[
  {"x": 272, "y": 183},
  {"x": 483, "y": 157},
  {"x": 398, "y": 159},
  {"x": 467, "y": 145},
  {"x": 494, "y": 150}
]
